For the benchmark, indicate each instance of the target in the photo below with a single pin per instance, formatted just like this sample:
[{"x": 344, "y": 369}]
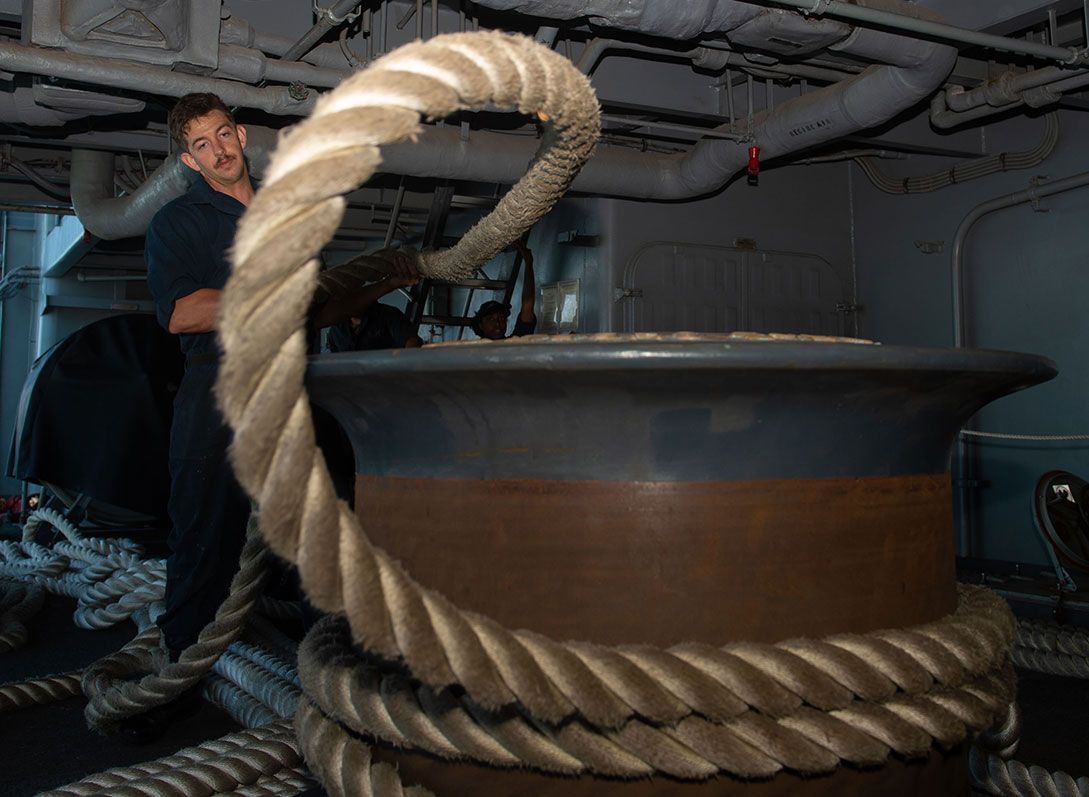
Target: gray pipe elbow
[{"x": 111, "y": 217}]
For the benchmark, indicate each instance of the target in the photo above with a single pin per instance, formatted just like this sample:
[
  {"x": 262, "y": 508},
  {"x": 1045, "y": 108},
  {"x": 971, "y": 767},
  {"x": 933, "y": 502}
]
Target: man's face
[
  {"x": 493, "y": 326},
  {"x": 214, "y": 147}
]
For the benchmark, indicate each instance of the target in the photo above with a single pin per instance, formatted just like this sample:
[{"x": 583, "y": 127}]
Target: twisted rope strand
[
  {"x": 44, "y": 516},
  {"x": 110, "y": 692},
  {"x": 262, "y": 395},
  {"x": 260, "y": 384},
  {"x": 242, "y": 707},
  {"x": 47, "y": 689},
  {"x": 214, "y": 767},
  {"x": 19, "y": 602},
  {"x": 278, "y": 695},
  {"x": 351, "y": 692},
  {"x": 1013, "y": 779}
]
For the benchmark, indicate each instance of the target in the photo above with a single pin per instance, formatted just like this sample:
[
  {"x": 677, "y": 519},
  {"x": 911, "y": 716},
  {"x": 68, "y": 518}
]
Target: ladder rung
[
  {"x": 495, "y": 285},
  {"x": 447, "y": 320}
]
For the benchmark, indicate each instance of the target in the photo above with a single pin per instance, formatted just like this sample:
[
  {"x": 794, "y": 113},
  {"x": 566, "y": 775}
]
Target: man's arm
[
  {"x": 356, "y": 304},
  {"x": 529, "y": 285},
  {"x": 176, "y": 253},
  {"x": 195, "y": 313}
]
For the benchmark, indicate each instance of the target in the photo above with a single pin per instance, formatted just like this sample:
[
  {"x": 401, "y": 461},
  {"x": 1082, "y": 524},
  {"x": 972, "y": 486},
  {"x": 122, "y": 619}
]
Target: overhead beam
[{"x": 1000, "y": 17}]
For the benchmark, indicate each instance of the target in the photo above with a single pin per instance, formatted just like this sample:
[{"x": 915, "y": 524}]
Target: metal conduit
[
  {"x": 252, "y": 66},
  {"x": 908, "y": 70},
  {"x": 938, "y": 30},
  {"x": 235, "y": 30},
  {"x": 141, "y": 77},
  {"x": 1006, "y": 89},
  {"x": 977, "y": 213},
  {"x": 327, "y": 20},
  {"x": 942, "y": 117},
  {"x": 957, "y": 270},
  {"x": 707, "y": 57}
]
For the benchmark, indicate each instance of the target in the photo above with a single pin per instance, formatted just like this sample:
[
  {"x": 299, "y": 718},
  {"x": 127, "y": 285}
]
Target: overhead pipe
[
  {"x": 328, "y": 18},
  {"x": 865, "y": 12},
  {"x": 707, "y": 57},
  {"x": 911, "y": 70},
  {"x": 691, "y": 20},
  {"x": 235, "y": 30},
  {"x": 253, "y": 66},
  {"x": 943, "y": 117},
  {"x": 714, "y": 57},
  {"x": 111, "y": 217},
  {"x": 277, "y": 100},
  {"x": 16, "y": 207},
  {"x": 1007, "y": 88}
]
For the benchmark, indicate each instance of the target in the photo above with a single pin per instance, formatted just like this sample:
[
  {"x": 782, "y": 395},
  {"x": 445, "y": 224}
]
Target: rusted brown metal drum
[{"x": 668, "y": 489}]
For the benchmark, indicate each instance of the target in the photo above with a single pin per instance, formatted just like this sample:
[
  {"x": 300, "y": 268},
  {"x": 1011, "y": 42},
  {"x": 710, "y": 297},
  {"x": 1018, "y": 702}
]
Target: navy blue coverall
[{"x": 186, "y": 250}]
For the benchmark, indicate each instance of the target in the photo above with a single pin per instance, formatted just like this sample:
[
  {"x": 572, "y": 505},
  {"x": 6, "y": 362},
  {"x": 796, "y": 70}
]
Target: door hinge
[{"x": 620, "y": 294}]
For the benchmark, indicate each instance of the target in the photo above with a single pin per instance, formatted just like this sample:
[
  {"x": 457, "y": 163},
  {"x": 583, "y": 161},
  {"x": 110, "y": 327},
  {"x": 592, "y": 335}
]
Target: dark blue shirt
[
  {"x": 186, "y": 250},
  {"x": 383, "y": 327}
]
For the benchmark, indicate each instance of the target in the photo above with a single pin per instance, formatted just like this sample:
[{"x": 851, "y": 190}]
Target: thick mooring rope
[
  {"x": 691, "y": 710},
  {"x": 749, "y": 743},
  {"x": 260, "y": 382},
  {"x": 215, "y": 767},
  {"x": 47, "y": 689},
  {"x": 1014, "y": 779},
  {"x": 108, "y": 683},
  {"x": 108, "y": 577},
  {"x": 19, "y": 601},
  {"x": 1052, "y": 649}
]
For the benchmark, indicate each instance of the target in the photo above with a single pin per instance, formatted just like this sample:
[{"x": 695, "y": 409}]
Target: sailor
[
  {"x": 187, "y": 261},
  {"x": 490, "y": 320}
]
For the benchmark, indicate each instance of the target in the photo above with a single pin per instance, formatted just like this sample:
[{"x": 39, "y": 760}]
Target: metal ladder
[{"x": 437, "y": 296}]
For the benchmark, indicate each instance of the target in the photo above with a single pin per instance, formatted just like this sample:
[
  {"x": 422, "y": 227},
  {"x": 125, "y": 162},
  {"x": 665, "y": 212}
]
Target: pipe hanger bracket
[
  {"x": 818, "y": 8},
  {"x": 328, "y": 14}
]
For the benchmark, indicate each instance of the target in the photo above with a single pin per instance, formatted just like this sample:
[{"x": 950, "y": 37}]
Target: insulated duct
[
  {"x": 111, "y": 217},
  {"x": 912, "y": 70},
  {"x": 102, "y": 213},
  {"x": 908, "y": 71},
  {"x": 235, "y": 30},
  {"x": 137, "y": 77}
]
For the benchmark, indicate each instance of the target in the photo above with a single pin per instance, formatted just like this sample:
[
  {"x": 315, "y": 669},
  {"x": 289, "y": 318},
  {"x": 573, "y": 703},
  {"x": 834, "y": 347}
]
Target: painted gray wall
[
  {"x": 803, "y": 209},
  {"x": 1026, "y": 271}
]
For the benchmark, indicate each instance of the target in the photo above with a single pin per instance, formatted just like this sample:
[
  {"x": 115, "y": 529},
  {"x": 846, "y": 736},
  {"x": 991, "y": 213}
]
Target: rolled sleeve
[{"x": 173, "y": 252}]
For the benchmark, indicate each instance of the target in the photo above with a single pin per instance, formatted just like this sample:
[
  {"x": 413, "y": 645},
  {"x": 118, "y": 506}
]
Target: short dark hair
[{"x": 187, "y": 109}]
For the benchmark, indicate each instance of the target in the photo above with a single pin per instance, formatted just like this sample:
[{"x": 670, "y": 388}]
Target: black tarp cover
[{"x": 95, "y": 411}]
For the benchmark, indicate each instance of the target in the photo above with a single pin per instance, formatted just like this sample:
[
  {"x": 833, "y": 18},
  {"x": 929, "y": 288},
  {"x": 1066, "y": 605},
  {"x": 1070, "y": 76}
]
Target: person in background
[
  {"x": 491, "y": 318},
  {"x": 370, "y": 324}
]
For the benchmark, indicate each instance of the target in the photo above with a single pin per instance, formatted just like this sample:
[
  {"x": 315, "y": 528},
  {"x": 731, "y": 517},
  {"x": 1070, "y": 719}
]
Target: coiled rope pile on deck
[
  {"x": 109, "y": 578},
  {"x": 692, "y": 710}
]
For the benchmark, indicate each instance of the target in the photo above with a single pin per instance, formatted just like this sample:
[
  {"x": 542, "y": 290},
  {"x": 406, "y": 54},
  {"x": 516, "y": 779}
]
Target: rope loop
[{"x": 520, "y": 696}]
